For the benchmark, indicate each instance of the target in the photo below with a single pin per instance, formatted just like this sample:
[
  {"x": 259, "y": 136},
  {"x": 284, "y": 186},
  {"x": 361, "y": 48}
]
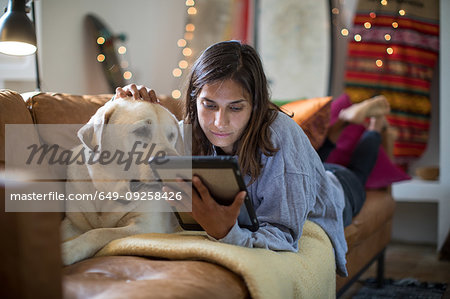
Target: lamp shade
[{"x": 17, "y": 34}]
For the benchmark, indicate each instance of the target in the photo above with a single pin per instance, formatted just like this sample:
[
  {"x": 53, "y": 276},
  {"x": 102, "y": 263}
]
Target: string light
[
  {"x": 101, "y": 57},
  {"x": 184, "y": 44},
  {"x": 177, "y": 72},
  {"x": 369, "y": 25},
  {"x": 190, "y": 27},
  {"x": 187, "y": 52},
  {"x": 192, "y": 11},
  {"x": 183, "y": 64},
  {"x": 176, "y": 94},
  {"x": 127, "y": 75},
  {"x": 122, "y": 50}
]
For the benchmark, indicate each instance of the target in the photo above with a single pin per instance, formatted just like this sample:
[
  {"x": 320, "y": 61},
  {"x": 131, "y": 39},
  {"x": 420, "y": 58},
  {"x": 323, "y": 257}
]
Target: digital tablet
[{"x": 220, "y": 174}]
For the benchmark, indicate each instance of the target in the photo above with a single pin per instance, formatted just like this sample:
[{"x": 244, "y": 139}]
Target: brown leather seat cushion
[
  {"x": 139, "y": 277},
  {"x": 376, "y": 211}
]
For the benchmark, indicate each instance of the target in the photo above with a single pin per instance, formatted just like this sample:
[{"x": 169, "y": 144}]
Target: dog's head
[{"x": 122, "y": 137}]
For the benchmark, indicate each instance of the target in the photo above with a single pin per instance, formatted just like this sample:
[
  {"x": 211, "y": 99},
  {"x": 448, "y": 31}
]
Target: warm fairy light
[
  {"x": 390, "y": 50},
  {"x": 176, "y": 94},
  {"x": 181, "y": 43},
  {"x": 357, "y": 37},
  {"x": 188, "y": 36},
  {"x": 394, "y": 24},
  {"x": 335, "y": 11},
  {"x": 177, "y": 72},
  {"x": 124, "y": 64},
  {"x": 127, "y": 75},
  {"x": 101, "y": 40},
  {"x": 101, "y": 58},
  {"x": 384, "y": 2},
  {"x": 402, "y": 12},
  {"x": 387, "y": 37},
  {"x": 373, "y": 15},
  {"x": 190, "y": 27},
  {"x": 192, "y": 11},
  {"x": 367, "y": 25},
  {"x": 187, "y": 52},
  {"x": 122, "y": 50},
  {"x": 379, "y": 63},
  {"x": 344, "y": 32},
  {"x": 190, "y": 3},
  {"x": 183, "y": 64}
]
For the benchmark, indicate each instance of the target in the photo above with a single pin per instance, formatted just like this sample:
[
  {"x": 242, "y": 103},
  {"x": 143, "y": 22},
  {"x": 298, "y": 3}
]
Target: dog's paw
[{"x": 72, "y": 251}]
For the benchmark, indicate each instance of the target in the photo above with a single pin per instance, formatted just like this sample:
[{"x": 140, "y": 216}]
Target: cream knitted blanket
[{"x": 310, "y": 273}]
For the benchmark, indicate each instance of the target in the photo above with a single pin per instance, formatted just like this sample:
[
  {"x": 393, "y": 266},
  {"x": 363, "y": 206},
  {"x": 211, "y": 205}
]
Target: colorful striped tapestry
[{"x": 393, "y": 51}]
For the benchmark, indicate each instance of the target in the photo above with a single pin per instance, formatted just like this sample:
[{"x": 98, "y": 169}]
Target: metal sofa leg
[{"x": 380, "y": 269}]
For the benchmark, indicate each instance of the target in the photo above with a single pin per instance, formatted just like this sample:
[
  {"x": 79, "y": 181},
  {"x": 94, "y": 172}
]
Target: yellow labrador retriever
[{"x": 116, "y": 144}]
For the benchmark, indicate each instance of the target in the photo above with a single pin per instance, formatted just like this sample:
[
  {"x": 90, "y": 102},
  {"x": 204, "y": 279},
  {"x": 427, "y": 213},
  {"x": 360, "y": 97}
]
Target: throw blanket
[{"x": 310, "y": 273}]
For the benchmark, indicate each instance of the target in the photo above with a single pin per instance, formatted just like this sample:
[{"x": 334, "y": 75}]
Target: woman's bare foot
[{"x": 357, "y": 113}]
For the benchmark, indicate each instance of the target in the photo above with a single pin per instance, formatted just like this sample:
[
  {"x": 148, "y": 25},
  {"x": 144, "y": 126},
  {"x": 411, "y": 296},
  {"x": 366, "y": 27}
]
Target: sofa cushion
[
  {"x": 313, "y": 115},
  {"x": 377, "y": 210},
  {"x": 12, "y": 111},
  {"x": 138, "y": 277},
  {"x": 61, "y": 108}
]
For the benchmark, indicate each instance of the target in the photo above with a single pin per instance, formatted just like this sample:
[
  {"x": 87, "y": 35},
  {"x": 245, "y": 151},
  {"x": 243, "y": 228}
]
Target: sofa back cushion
[
  {"x": 12, "y": 111},
  {"x": 61, "y": 108}
]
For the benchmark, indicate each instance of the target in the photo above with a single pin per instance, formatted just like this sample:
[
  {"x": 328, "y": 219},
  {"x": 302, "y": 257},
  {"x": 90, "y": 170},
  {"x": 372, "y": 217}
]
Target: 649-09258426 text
[{"x": 98, "y": 195}]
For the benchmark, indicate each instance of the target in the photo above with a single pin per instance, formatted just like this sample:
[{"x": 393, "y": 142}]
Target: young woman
[{"x": 227, "y": 103}]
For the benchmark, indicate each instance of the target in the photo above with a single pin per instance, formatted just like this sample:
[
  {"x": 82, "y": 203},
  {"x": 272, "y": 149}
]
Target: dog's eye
[
  {"x": 142, "y": 131},
  {"x": 171, "y": 136}
]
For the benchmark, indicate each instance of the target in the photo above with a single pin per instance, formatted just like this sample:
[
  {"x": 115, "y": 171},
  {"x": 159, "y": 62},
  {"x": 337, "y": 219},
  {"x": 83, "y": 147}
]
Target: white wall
[{"x": 68, "y": 60}]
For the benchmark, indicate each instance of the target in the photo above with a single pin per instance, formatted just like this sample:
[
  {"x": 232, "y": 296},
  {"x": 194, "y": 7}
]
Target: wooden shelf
[{"x": 417, "y": 190}]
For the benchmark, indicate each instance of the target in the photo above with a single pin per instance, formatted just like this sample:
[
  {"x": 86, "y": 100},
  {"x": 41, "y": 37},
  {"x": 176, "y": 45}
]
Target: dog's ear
[
  {"x": 184, "y": 139},
  {"x": 91, "y": 134}
]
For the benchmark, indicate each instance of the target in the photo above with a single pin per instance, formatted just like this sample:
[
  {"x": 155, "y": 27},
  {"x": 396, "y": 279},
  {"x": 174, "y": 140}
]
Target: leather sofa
[{"x": 32, "y": 266}]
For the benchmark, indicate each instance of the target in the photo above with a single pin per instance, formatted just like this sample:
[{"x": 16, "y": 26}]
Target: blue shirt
[{"x": 293, "y": 186}]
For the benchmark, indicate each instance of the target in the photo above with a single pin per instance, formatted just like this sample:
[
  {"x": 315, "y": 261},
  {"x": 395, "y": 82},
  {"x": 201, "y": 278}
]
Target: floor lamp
[{"x": 18, "y": 34}]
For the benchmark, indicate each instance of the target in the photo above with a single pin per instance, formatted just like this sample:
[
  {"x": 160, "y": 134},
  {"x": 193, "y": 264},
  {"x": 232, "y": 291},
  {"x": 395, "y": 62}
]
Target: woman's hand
[
  {"x": 217, "y": 220},
  {"x": 138, "y": 92}
]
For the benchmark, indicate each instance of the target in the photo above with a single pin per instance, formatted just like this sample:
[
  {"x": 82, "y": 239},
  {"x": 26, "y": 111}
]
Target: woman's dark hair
[{"x": 240, "y": 63}]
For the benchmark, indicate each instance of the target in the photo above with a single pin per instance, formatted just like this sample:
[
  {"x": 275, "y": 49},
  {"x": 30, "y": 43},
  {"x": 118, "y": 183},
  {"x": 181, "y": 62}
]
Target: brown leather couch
[{"x": 31, "y": 265}]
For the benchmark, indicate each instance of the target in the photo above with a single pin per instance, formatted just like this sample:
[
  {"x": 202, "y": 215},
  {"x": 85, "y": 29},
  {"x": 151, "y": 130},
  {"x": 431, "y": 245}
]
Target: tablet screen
[{"x": 220, "y": 174}]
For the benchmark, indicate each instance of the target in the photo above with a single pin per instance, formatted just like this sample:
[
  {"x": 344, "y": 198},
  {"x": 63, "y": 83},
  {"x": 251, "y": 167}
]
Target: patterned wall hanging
[{"x": 393, "y": 52}]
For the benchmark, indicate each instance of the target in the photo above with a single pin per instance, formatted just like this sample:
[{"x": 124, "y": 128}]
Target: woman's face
[{"x": 223, "y": 109}]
